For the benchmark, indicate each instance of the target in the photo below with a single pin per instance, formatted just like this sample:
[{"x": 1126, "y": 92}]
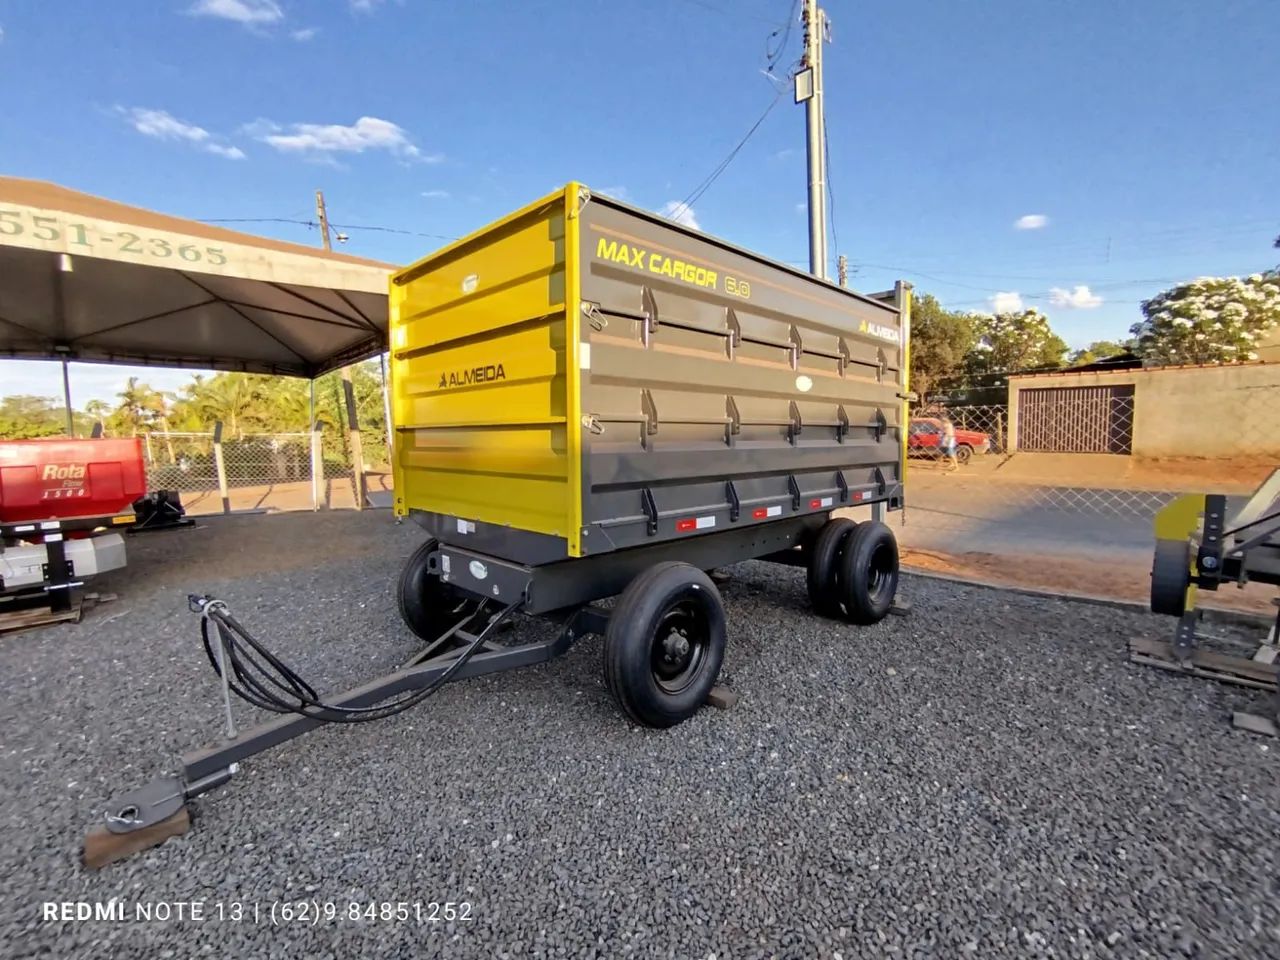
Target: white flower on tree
[{"x": 1208, "y": 320}]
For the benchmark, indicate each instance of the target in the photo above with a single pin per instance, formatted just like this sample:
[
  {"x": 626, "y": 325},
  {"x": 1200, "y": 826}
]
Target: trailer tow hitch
[{"x": 152, "y": 814}]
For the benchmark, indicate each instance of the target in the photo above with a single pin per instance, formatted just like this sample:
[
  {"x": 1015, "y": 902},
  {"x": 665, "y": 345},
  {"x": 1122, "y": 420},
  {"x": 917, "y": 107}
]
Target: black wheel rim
[
  {"x": 680, "y": 647},
  {"x": 880, "y": 571}
]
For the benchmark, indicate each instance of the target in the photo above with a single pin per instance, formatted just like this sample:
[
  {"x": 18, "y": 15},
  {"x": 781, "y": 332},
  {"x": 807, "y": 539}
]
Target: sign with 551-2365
[{"x": 89, "y": 238}]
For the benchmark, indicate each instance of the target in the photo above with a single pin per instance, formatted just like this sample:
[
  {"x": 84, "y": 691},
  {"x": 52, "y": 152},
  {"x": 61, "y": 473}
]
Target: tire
[
  {"x": 869, "y": 573},
  {"x": 823, "y": 572},
  {"x": 427, "y": 606},
  {"x": 964, "y": 453},
  {"x": 656, "y": 683},
  {"x": 1170, "y": 577}
]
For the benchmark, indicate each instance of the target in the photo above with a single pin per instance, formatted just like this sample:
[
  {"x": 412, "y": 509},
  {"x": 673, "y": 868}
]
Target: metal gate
[{"x": 1076, "y": 419}]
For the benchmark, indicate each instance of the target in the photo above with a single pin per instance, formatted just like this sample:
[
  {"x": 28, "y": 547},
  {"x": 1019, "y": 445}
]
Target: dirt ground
[
  {"x": 1073, "y": 575},
  {"x": 337, "y": 494},
  {"x": 1110, "y": 472}
]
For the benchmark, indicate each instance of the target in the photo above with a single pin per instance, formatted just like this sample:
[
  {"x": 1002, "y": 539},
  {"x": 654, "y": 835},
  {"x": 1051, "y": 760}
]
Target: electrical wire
[
  {"x": 696, "y": 194},
  {"x": 831, "y": 193},
  {"x": 313, "y": 225}
]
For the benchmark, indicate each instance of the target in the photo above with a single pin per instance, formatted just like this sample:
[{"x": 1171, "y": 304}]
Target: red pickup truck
[{"x": 925, "y": 433}]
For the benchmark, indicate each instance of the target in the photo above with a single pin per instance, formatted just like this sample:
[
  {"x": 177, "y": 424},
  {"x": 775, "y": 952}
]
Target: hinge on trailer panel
[
  {"x": 842, "y": 426},
  {"x": 882, "y": 365},
  {"x": 845, "y": 355},
  {"x": 735, "y": 504},
  {"x": 880, "y": 426},
  {"x": 881, "y": 484},
  {"x": 584, "y": 197},
  {"x": 650, "y": 510},
  {"x": 650, "y": 324},
  {"x": 650, "y": 410},
  {"x": 843, "y": 485},
  {"x": 797, "y": 425},
  {"x": 735, "y": 330},
  {"x": 795, "y": 491},
  {"x": 592, "y": 312},
  {"x": 734, "y": 426},
  {"x": 592, "y": 423},
  {"x": 797, "y": 346}
]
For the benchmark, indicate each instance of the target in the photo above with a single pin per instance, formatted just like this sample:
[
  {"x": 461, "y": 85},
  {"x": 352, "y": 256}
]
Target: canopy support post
[
  {"x": 66, "y": 395},
  {"x": 386, "y": 411},
  {"x": 317, "y": 453}
]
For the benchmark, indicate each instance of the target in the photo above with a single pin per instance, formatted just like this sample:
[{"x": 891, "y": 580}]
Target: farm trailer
[{"x": 591, "y": 400}]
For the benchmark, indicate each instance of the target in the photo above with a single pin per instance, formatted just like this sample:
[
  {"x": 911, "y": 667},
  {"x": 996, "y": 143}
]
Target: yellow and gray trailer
[{"x": 593, "y": 401}]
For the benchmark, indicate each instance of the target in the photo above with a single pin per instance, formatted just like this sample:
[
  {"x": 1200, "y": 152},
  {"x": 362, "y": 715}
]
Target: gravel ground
[{"x": 987, "y": 777}]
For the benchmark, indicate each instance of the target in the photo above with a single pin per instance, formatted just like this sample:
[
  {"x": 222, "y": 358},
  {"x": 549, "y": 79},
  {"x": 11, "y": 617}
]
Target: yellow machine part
[
  {"x": 484, "y": 359},
  {"x": 1179, "y": 521}
]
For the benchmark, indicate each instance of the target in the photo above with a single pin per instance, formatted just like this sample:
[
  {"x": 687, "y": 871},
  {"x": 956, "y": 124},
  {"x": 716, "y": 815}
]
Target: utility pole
[
  {"x": 809, "y": 92},
  {"x": 348, "y": 390},
  {"x": 842, "y": 270}
]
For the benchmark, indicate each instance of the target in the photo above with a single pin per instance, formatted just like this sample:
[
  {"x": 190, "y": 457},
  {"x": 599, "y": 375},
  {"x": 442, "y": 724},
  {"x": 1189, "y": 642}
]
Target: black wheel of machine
[
  {"x": 964, "y": 453},
  {"x": 428, "y": 606},
  {"x": 869, "y": 573},
  {"x": 824, "y": 566},
  {"x": 1170, "y": 577},
  {"x": 664, "y": 644}
]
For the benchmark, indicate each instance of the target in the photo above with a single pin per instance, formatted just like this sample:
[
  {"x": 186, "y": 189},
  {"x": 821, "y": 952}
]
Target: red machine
[
  {"x": 62, "y": 479},
  {"x": 57, "y": 497}
]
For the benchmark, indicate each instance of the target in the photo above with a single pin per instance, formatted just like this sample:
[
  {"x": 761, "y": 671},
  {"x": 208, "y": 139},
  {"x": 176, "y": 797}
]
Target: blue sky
[{"x": 1135, "y": 143}]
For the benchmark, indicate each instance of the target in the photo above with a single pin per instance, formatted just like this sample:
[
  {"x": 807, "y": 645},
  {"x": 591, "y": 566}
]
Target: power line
[
  {"x": 705, "y": 185},
  {"x": 313, "y": 225},
  {"x": 831, "y": 193}
]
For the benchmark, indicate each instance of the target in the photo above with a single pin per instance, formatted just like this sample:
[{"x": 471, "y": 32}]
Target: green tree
[
  {"x": 25, "y": 417},
  {"x": 1210, "y": 320},
  {"x": 1008, "y": 342},
  {"x": 1098, "y": 350},
  {"x": 940, "y": 340}
]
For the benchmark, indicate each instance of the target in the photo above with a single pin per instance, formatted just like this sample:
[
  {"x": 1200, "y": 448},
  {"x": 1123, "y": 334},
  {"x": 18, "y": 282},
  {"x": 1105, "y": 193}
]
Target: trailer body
[{"x": 584, "y": 377}]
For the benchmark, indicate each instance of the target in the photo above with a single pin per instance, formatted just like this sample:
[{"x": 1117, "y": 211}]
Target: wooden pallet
[
  {"x": 1256, "y": 673},
  {"x": 28, "y": 617}
]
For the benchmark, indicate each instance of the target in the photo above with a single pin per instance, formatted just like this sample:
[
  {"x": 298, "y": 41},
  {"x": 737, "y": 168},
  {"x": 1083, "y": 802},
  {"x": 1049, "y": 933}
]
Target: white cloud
[
  {"x": 305, "y": 34},
  {"x": 618, "y": 192},
  {"x": 1080, "y": 298},
  {"x": 231, "y": 153},
  {"x": 436, "y": 194},
  {"x": 364, "y": 6},
  {"x": 681, "y": 214},
  {"x": 1006, "y": 302},
  {"x": 1, "y": 34},
  {"x": 1032, "y": 221},
  {"x": 315, "y": 139},
  {"x": 162, "y": 125},
  {"x": 802, "y": 206},
  {"x": 251, "y": 13}
]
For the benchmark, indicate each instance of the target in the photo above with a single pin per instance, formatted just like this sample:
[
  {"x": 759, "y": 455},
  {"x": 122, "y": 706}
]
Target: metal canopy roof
[{"x": 84, "y": 278}]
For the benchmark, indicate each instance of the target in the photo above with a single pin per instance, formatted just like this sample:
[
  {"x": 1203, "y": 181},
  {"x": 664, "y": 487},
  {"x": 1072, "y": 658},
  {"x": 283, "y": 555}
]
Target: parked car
[{"x": 925, "y": 433}]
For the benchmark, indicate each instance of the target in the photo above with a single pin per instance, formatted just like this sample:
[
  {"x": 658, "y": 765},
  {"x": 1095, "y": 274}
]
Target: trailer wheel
[
  {"x": 664, "y": 644},
  {"x": 1170, "y": 577},
  {"x": 869, "y": 573},
  {"x": 823, "y": 574},
  {"x": 428, "y": 606}
]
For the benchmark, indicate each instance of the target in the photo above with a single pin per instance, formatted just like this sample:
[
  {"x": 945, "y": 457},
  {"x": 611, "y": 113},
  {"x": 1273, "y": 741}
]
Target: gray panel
[{"x": 711, "y": 366}]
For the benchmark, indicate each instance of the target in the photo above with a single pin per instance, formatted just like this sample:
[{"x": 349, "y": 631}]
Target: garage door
[{"x": 1076, "y": 419}]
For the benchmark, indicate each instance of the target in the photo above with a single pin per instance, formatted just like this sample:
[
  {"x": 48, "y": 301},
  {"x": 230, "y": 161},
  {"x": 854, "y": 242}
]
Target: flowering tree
[
  {"x": 1009, "y": 342},
  {"x": 1210, "y": 320}
]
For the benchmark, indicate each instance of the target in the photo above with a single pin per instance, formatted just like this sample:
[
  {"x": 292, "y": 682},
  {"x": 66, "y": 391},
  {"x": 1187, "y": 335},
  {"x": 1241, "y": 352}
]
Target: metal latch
[{"x": 597, "y": 319}]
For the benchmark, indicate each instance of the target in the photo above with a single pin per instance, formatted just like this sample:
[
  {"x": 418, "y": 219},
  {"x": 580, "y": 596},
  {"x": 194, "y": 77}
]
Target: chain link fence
[
  {"x": 217, "y": 473},
  {"x": 1064, "y": 502}
]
